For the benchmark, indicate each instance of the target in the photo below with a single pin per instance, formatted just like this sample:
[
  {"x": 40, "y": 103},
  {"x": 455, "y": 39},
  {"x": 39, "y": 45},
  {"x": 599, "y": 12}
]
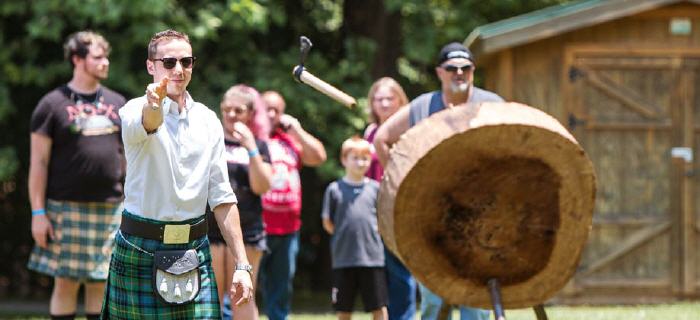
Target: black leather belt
[{"x": 166, "y": 233}]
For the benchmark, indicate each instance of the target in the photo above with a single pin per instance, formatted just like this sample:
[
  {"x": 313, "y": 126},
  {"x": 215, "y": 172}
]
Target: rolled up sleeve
[
  {"x": 131, "y": 114},
  {"x": 219, "y": 187}
]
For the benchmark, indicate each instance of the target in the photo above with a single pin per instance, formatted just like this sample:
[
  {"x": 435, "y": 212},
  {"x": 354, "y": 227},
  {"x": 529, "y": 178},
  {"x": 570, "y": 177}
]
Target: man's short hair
[
  {"x": 164, "y": 35},
  {"x": 454, "y": 50},
  {"x": 78, "y": 44},
  {"x": 355, "y": 144}
]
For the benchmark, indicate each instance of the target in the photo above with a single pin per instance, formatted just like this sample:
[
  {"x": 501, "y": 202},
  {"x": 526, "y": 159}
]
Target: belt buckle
[{"x": 176, "y": 234}]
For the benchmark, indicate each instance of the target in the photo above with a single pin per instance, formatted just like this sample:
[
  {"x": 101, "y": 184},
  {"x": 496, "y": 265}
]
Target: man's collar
[{"x": 174, "y": 108}]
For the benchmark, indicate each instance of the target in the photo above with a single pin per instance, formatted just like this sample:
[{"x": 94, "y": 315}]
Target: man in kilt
[
  {"x": 75, "y": 178},
  {"x": 175, "y": 166}
]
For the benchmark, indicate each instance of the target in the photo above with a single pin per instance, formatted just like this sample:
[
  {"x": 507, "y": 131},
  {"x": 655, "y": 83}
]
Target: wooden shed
[{"x": 624, "y": 76}]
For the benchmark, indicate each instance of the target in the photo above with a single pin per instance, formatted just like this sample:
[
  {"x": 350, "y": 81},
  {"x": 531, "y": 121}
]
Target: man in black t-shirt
[{"x": 76, "y": 178}]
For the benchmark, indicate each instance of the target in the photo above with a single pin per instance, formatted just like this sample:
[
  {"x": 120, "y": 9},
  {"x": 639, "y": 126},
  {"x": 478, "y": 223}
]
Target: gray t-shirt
[
  {"x": 431, "y": 102},
  {"x": 353, "y": 210}
]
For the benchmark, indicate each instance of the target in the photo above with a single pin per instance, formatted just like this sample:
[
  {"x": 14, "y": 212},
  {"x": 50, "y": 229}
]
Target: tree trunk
[{"x": 370, "y": 18}]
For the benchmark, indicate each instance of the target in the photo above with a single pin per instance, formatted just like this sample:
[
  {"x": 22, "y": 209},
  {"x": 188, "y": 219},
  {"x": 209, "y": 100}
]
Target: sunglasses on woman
[{"x": 169, "y": 63}]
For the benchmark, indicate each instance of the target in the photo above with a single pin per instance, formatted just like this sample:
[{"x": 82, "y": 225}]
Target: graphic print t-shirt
[
  {"x": 87, "y": 155},
  {"x": 282, "y": 204},
  {"x": 249, "y": 204}
]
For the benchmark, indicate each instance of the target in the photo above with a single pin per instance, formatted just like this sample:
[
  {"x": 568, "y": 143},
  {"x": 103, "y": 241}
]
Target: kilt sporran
[{"x": 176, "y": 278}]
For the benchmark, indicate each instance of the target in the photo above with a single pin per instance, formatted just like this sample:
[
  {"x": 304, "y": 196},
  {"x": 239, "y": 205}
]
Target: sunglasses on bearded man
[
  {"x": 169, "y": 63},
  {"x": 452, "y": 68}
]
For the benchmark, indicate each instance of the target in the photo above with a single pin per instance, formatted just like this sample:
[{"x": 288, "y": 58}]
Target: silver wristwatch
[{"x": 244, "y": 267}]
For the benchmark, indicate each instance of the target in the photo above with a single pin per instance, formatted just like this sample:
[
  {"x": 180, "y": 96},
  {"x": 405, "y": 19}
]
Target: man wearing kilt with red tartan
[
  {"x": 161, "y": 264},
  {"x": 75, "y": 178}
]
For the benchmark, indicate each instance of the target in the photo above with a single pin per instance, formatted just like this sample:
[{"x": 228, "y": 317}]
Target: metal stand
[
  {"x": 495, "y": 291},
  {"x": 445, "y": 310},
  {"x": 539, "y": 312}
]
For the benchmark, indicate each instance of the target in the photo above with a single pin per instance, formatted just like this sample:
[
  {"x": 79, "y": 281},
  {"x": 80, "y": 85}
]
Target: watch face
[{"x": 245, "y": 267}]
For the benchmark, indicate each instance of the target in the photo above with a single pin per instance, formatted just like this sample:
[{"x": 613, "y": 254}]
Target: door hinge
[
  {"x": 575, "y": 74},
  {"x": 575, "y": 122}
]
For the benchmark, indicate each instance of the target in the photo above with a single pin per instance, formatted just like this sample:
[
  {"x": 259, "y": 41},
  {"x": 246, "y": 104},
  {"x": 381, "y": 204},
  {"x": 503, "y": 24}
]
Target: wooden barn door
[{"x": 635, "y": 114}]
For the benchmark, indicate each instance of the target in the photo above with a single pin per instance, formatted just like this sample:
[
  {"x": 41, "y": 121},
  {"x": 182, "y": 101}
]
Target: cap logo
[{"x": 458, "y": 54}]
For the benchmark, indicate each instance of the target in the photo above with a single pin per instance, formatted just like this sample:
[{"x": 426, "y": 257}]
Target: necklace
[{"x": 80, "y": 99}]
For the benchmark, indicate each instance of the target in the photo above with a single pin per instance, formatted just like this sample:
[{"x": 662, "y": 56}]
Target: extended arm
[
  {"x": 152, "y": 110},
  {"x": 390, "y": 132},
  {"x": 229, "y": 223}
]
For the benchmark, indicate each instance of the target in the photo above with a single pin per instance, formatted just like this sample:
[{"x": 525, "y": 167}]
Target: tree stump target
[{"x": 490, "y": 191}]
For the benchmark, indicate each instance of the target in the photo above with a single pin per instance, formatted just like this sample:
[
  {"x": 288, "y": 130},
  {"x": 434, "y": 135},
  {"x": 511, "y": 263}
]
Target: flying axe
[{"x": 306, "y": 77}]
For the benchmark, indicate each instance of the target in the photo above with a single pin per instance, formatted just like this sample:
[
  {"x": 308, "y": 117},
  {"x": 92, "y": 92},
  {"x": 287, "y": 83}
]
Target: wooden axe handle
[{"x": 325, "y": 88}]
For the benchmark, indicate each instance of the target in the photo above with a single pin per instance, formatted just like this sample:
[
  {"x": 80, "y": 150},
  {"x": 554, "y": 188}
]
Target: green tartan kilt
[
  {"x": 84, "y": 234},
  {"x": 129, "y": 293}
]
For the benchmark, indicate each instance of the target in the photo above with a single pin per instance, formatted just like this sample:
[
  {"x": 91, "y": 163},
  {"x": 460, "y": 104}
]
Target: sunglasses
[
  {"x": 169, "y": 63},
  {"x": 451, "y": 68}
]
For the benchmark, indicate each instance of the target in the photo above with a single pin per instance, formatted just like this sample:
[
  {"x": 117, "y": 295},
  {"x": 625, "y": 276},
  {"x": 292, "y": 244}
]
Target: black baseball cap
[{"x": 454, "y": 50}]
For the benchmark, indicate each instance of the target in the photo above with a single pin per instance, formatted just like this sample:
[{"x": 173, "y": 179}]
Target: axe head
[{"x": 304, "y": 47}]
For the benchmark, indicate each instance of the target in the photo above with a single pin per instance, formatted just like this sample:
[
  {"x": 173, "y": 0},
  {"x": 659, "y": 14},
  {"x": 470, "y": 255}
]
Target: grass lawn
[{"x": 679, "y": 311}]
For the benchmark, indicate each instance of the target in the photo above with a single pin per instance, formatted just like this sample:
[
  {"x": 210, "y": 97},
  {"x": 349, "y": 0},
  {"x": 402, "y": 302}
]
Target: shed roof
[{"x": 551, "y": 21}]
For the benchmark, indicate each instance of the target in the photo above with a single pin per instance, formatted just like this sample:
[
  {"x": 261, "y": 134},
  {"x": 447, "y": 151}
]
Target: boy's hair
[
  {"x": 356, "y": 144},
  {"x": 78, "y": 44},
  {"x": 164, "y": 35}
]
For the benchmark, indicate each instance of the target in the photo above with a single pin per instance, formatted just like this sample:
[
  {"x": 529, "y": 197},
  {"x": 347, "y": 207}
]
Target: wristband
[
  {"x": 39, "y": 212},
  {"x": 253, "y": 153}
]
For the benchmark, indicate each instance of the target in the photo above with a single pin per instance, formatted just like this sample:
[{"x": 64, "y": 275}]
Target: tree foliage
[{"x": 236, "y": 41}]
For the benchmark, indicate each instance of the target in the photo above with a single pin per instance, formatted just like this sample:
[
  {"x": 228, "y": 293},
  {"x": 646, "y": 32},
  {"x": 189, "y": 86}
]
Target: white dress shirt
[{"x": 173, "y": 172}]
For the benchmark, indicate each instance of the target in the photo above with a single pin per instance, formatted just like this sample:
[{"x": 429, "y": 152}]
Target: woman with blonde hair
[
  {"x": 386, "y": 97},
  {"x": 246, "y": 128}
]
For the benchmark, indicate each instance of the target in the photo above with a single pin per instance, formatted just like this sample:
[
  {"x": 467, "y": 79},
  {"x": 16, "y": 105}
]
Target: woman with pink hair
[{"x": 246, "y": 128}]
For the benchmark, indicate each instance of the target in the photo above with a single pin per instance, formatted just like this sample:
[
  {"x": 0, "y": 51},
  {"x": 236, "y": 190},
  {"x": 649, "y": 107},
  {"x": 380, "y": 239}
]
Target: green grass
[
  {"x": 681, "y": 311},
  {"x": 678, "y": 311}
]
